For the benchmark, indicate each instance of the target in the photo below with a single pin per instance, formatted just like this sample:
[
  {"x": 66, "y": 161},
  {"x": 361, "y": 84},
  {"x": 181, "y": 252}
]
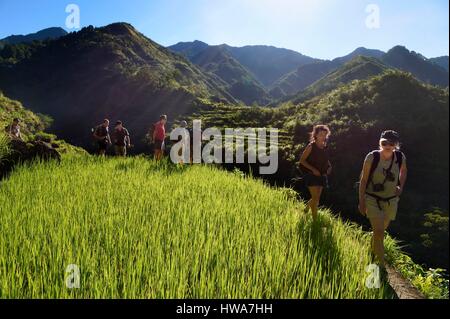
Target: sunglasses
[{"x": 387, "y": 143}]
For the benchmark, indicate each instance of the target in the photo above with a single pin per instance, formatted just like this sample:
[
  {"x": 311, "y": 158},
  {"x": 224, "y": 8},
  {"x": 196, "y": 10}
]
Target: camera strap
[
  {"x": 375, "y": 162},
  {"x": 389, "y": 169}
]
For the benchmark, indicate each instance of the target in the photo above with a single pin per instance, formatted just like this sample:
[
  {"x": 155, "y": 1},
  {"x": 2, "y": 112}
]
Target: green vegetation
[
  {"x": 238, "y": 80},
  {"x": 31, "y": 122},
  {"x": 4, "y": 147},
  {"x": 222, "y": 246},
  {"x": 359, "y": 68},
  {"x": 433, "y": 283},
  {"x": 42, "y": 35},
  {"x": 32, "y": 126},
  {"x": 135, "y": 78},
  {"x": 138, "y": 229},
  {"x": 423, "y": 69},
  {"x": 357, "y": 113},
  {"x": 265, "y": 63}
]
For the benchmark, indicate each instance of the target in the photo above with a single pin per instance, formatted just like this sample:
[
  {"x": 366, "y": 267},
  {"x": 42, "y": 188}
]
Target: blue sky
[{"x": 319, "y": 28}]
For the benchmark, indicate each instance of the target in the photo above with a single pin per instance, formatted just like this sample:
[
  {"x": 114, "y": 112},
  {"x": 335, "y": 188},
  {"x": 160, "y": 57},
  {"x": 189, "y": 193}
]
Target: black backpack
[{"x": 376, "y": 160}]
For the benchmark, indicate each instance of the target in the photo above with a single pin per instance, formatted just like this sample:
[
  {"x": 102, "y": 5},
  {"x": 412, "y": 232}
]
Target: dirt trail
[{"x": 402, "y": 286}]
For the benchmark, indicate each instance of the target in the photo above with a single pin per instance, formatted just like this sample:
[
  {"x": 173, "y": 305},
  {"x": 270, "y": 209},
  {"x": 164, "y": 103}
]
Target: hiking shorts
[
  {"x": 388, "y": 209},
  {"x": 120, "y": 150},
  {"x": 102, "y": 145},
  {"x": 159, "y": 145},
  {"x": 312, "y": 180}
]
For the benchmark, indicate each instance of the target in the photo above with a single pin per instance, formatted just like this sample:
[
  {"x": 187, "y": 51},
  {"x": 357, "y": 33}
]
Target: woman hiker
[
  {"x": 382, "y": 181},
  {"x": 316, "y": 166}
]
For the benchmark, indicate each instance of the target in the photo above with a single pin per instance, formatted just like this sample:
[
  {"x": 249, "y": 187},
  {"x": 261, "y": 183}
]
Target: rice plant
[{"x": 140, "y": 229}]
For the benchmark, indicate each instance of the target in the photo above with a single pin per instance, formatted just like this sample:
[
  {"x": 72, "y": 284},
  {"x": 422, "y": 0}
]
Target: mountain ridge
[{"x": 44, "y": 34}]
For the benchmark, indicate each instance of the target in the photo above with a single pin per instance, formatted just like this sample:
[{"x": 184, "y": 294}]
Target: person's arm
[
  {"x": 363, "y": 186},
  {"x": 403, "y": 176},
  {"x": 305, "y": 163},
  {"x": 128, "y": 139}
]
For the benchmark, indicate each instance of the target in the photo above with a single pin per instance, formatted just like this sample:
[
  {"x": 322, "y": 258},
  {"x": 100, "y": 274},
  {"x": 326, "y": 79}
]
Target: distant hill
[
  {"x": 427, "y": 70},
  {"x": 266, "y": 63},
  {"x": 422, "y": 68},
  {"x": 361, "y": 51},
  {"x": 45, "y": 34},
  {"x": 359, "y": 68},
  {"x": 301, "y": 78},
  {"x": 285, "y": 73},
  {"x": 441, "y": 61},
  {"x": 306, "y": 75},
  {"x": 114, "y": 72},
  {"x": 189, "y": 49},
  {"x": 269, "y": 63},
  {"x": 239, "y": 81}
]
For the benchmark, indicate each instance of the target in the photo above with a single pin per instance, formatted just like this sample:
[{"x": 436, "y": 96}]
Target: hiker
[
  {"x": 159, "y": 135},
  {"x": 101, "y": 134},
  {"x": 121, "y": 139},
  {"x": 316, "y": 166},
  {"x": 13, "y": 130},
  {"x": 382, "y": 182}
]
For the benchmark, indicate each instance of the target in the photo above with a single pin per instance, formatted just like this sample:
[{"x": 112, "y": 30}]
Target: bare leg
[
  {"x": 157, "y": 154},
  {"x": 387, "y": 221},
  {"x": 313, "y": 203},
  {"x": 378, "y": 238}
]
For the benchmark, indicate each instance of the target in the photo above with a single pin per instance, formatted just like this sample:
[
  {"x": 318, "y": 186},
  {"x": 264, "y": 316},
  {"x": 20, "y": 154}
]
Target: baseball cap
[{"x": 391, "y": 136}]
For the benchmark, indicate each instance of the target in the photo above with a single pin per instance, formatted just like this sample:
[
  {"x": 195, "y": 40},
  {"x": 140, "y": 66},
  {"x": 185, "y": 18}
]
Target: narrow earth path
[{"x": 402, "y": 286}]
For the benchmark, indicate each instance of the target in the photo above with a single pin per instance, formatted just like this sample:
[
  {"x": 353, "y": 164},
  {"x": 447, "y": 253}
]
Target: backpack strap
[
  {"x": 399, "y": 156},
  {"x": 374, "y": 165}
]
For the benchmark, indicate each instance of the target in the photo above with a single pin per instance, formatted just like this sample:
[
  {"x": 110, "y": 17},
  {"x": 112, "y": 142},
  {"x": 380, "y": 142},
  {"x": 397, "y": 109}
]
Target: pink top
[{"x": 160, "y": 131}]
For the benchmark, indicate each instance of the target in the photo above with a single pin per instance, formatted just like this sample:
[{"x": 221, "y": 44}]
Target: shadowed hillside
[{"x": 114, "y": 72}]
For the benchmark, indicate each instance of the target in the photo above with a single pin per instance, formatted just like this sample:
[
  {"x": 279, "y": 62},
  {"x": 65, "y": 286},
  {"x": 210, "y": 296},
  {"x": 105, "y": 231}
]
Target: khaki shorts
[
  {"x": 388, "y": 209},
  {"x": 120, "y": 150}
]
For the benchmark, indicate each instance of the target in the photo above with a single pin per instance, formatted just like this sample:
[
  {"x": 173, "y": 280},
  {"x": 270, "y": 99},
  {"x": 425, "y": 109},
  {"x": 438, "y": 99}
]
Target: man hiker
[
  {"x": 316, "y": 166},
  {"x": 159, "y": 135},
  {"x": 382, "y": 182},
  {"x": 121, "y": 139},
  {"x": 13, "y": 130},
  {"x": 101, "y": 134}
]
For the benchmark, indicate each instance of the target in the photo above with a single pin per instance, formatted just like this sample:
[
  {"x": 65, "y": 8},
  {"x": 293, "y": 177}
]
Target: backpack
[
  {"x": 95, "y": 131},
  {"x": 376, "y": 160}
]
